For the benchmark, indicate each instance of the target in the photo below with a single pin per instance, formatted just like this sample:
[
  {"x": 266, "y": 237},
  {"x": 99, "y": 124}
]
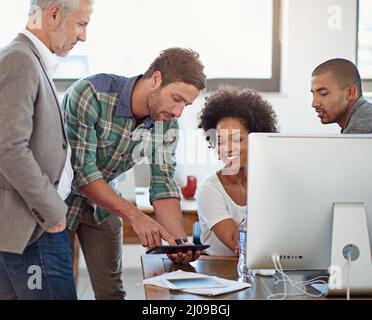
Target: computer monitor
[{"x": 294, "y": 184}]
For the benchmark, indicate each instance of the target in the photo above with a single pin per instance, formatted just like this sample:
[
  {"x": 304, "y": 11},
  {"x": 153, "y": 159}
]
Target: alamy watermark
[
  {"x": 35, "y": 18},
  {"x": 160, "y": 147},
  {"x": 335, "y": 17},
  {"x": 35, "y": 280}
]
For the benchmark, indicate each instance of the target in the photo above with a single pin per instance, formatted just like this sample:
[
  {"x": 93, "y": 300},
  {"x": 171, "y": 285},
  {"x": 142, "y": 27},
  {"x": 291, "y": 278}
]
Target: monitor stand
[{"x": 349, "y": 238}]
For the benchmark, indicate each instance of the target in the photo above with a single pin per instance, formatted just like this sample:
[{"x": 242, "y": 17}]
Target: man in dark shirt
[{"x": 336, "y": 86}]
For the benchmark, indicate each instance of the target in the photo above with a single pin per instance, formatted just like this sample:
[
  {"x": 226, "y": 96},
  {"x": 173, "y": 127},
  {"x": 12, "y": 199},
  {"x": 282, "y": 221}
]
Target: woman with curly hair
[{"x": 227, "y": 118}]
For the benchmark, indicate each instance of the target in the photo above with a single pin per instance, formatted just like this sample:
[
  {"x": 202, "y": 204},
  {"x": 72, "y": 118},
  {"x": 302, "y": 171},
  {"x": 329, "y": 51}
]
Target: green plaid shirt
[{"x": 105, "y": 141}]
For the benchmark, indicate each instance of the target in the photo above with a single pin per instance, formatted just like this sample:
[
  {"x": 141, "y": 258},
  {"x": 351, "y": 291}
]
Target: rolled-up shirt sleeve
[
  {"x": 163, "y": 185},
  {"x": 81, "y": 108}
]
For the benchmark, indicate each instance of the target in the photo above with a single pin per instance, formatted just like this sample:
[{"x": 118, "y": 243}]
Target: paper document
[{"x": 196, "y": 283}]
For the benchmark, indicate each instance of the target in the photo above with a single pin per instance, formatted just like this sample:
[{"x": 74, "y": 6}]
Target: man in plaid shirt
[{"x": 112, "y": 123}]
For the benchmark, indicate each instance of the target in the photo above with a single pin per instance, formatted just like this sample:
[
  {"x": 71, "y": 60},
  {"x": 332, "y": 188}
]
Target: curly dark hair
[{"x": 255, "y": 113}]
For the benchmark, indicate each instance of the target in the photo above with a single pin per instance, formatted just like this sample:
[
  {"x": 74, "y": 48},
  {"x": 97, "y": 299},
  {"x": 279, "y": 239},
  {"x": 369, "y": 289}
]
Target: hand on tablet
[
  {"x": 148, "y": 230},
  {"x": 185, "y": 258}
]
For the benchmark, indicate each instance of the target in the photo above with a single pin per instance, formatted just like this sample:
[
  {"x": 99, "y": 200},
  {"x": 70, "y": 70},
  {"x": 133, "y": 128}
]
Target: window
[
  {"x": 238, "y": 40},
  {"x": 365, "y": 43}
]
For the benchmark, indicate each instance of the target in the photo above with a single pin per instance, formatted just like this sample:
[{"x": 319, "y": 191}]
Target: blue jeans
[{"x": 43, "y": 272}]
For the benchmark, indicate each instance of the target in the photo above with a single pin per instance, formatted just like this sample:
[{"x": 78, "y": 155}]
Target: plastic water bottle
[
  {"x": 243, "y": 272},
  {"x": 242, "y": 267}
]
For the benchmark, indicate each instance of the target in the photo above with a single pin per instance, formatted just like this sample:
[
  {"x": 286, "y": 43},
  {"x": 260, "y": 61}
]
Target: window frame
[
  {"x": 262, "y": 85},
  {"x": 366, "y": 82}
]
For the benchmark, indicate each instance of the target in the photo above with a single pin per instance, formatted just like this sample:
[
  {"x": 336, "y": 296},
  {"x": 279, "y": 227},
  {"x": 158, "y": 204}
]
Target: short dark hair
[
  {"x": 344, "y": 72},
  {"x": 179, "y": 65},
  {"x": 255, "y": 113}
]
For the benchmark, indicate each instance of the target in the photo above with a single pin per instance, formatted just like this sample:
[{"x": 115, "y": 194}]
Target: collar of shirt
[
  {"x": 357, "y": 104},
  {"x": 125, "y": 101},
  {"x": 47, "y": 56}
]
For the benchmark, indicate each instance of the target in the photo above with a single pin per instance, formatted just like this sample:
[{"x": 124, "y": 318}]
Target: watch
[{"x": 181, "y": 241}]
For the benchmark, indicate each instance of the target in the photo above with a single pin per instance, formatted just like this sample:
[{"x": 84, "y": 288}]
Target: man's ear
[
  {"x": 156, "y": 79},
  {"x": 54, "y": 16},
  {"x": 352, "y": 92}
]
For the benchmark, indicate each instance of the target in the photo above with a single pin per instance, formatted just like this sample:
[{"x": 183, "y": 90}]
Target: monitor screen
[{"x": 293, "y": 183}]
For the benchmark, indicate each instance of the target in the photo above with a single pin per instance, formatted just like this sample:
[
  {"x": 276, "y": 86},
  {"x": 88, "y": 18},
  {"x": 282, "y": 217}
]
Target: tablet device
[
  {"x": 176, "y": 249},
  {"x": 193, "y": 283}
]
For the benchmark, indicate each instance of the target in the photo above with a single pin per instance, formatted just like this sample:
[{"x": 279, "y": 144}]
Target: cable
[
  {"x": 348, "y": 275},
  {"x": 298, "y": 285},
  {"x": 283, "y": 295}
]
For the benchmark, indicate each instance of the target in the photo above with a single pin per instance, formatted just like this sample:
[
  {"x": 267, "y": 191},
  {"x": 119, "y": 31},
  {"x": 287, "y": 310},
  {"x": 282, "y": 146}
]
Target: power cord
[
  {"x": 348, "y": 275},
  {"x": 351, "y": 253},
  {"x": 298, "y": 285}
]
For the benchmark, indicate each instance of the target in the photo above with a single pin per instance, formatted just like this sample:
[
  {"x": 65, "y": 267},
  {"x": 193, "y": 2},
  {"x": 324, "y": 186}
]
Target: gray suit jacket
[{"x": 33, "y": 148}]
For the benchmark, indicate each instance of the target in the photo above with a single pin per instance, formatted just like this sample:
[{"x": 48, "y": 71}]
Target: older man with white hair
[{"x": 35, "y": 169}]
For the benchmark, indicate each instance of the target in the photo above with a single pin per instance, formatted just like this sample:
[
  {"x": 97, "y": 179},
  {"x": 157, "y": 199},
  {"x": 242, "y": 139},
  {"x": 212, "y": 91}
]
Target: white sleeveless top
[{"x": 214, "y": 206}]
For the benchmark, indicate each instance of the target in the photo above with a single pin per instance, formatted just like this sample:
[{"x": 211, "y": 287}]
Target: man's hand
[
  {"x": 236, "y": 251},
  {"x": 185, "y": 258},
  {"x": 58, "y": 227},
  {"x": 148, "y": 230}
]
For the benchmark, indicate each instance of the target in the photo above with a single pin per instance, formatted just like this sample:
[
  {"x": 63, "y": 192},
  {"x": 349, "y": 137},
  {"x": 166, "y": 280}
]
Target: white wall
[{"x": 307, "y": 41}]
